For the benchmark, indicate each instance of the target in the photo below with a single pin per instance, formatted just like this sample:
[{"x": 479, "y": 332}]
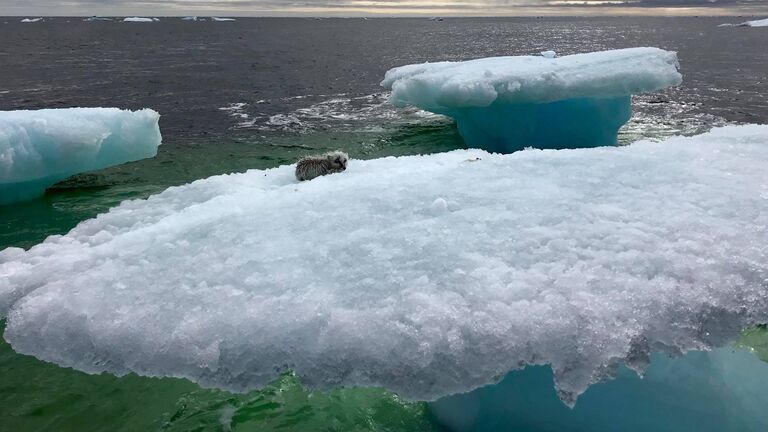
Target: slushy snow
[
  {"x": 505, "y": 104},
  {"x": 39, "y": 148},
  {"x": 426, "y": 275}
]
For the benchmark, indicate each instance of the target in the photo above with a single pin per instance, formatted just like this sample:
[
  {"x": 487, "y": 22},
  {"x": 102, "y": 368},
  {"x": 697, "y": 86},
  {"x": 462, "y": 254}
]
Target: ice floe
[
  {"x": 140, "y": 19},
  {"x": 426, "y": 275},
  {"x": 39, "y": 148}
]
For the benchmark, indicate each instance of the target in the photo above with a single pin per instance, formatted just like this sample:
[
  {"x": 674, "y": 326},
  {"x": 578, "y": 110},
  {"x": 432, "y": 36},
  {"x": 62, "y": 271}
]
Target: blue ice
[
  {"x": 721, "y": 390},
  {"x": 504, "y": 104},
  {"x": 39, "y": 148}
]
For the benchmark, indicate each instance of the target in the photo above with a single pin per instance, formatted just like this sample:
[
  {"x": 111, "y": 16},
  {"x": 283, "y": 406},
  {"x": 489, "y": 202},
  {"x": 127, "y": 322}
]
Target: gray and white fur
[{"x": 310, "y": 167}]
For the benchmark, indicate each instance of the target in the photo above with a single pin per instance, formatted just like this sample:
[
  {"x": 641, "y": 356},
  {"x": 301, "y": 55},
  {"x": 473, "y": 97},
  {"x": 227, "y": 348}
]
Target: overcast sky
[{"x": 384, "y": 7}]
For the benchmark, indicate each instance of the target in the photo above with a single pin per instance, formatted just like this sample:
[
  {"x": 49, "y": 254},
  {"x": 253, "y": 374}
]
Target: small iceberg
[
  {"x": 504, "y": 104},
  {"x": 31, "y": 20},
  {"x": 97, "y": 18},
  {"x": 190, "y": 18},
  {"x": 755, "y": 23},
  {"x": 217, "y": 19},
  {"x": 39, "y": 148},
  {"x": 140, "y": 19},
  {"x": 425, "y": 275}
]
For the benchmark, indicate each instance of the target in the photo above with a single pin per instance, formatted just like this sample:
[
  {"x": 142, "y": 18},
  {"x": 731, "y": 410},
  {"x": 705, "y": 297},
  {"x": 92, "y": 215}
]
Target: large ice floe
[
  {"x": 504, "y": 104},
  {"x": 426, "y": 275},
  {"x": 39, "y": 148}
]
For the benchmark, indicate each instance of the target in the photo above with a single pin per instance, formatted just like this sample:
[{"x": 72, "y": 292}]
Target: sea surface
[{"x": 261, "y": 92}]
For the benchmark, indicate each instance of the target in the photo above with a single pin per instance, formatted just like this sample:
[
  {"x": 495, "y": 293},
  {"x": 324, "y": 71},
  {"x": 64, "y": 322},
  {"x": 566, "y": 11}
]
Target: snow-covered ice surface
[
  {"x": 426, "y": 275},
  {"x": 508, "y": 103},
  {"x": 39, "y": 148}
]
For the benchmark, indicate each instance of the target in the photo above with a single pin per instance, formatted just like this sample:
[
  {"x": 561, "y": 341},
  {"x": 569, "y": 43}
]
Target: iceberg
[
  {"x": 39, "y": 148},
  {"x": 217, "y": 19},
  {"x": 425, "y": 275},
  {"x": 504, "y": 104},
  {"x": 755, "y": 23},
  {"x": 31, "y": 20},
  {"x": 140, "y": 19}
]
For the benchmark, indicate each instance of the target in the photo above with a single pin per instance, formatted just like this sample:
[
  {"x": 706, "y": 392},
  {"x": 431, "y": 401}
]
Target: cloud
[{"x": 340, "y": 7}]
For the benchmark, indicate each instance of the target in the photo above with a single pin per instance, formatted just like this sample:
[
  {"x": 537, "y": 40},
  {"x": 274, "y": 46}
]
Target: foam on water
[
  {"x": 428, "y": 276},
  {"x": 39, "y": 148},
  {"x": 339, "y": 112}
]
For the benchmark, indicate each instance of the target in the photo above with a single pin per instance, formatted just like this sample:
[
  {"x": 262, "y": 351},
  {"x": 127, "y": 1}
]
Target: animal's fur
[{"x": 310, "y": 167}]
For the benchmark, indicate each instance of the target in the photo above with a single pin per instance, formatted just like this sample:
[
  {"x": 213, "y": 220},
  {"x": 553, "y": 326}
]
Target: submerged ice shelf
[
  {"x": 504, "y": 104},
  {"x": 428, "y": 276},
  {"x": 39, "y": 148},
  {"x": 714, "y": 391}
]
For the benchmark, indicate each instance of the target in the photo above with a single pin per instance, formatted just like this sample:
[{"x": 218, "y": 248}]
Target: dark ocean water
[{"x": 258, "y": 93}]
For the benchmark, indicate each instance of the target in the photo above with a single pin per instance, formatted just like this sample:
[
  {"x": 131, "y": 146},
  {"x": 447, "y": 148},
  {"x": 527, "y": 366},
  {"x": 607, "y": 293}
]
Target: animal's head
[{"x": 338, "y": 160}]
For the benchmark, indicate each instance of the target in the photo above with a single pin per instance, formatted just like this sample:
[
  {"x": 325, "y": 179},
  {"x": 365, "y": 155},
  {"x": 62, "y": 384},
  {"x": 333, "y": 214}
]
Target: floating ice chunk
[
  {"x": 31, "y": 20},
  {"x": 507, "y": 103},
  {"x": 39, "y": 148},
  {"x": 753, "y": 23},
  {"x": 218, "y": 19},
  {"x": 97, "y": 18},
  {"x": 140, "y": 19},
  {"x": 580, "y": 259},
  {"x": 548, "y": 54},
  {"x": 756, "y": 23},
  {"x": 189, "y": 18}
]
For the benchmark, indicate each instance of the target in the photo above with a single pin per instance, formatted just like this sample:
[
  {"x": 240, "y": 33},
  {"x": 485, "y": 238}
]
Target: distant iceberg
[
  {"x": 504, "y": 104},
  {"x": 217, "y": 19},
  {"x": 39, "y": 148},
  {"x": 31, "y": 20},
  {"x": 426, "y": 275},
  {"x": 756, "y": 23},
  {"x": 140, "y": 19},
  {"x": 190, "y": 18},
  {"x": 97, "y": 18}
]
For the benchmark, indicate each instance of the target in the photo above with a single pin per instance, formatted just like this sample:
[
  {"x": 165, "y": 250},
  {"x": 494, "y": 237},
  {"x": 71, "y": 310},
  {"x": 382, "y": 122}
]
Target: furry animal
[{"x": 310, "y": 167}]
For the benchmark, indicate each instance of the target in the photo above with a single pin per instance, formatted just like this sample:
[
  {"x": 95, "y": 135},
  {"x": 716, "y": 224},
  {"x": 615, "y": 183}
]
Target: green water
[{"x": 38, "y": 396}]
